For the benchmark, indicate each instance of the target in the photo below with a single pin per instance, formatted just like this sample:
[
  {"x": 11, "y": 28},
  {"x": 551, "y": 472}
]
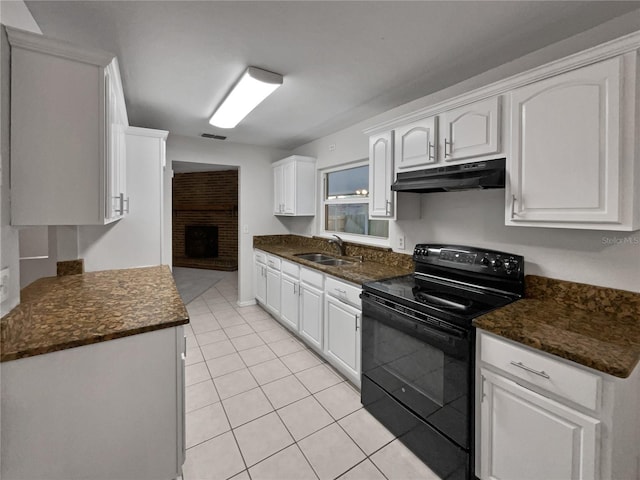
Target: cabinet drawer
[
  {"x": 291, "y": 269},
  {"x": 273, "y": 262},
  {"x": 260, "y": 257},
  {"x": 555, "y": 376},
  {"x": 346, "y": 292},
  {"x": 311, "y": 277}
]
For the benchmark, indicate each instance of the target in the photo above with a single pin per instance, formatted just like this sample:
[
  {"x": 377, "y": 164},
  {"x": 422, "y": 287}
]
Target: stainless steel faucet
[{"x": 340, "y": 244}]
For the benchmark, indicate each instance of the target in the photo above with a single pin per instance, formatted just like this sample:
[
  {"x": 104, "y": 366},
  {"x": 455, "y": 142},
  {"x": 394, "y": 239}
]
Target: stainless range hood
[{"x": 468, "y": 176}]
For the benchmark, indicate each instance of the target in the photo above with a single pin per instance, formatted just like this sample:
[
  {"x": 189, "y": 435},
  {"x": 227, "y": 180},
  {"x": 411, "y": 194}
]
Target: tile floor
[{"x": 261, "y": 405}]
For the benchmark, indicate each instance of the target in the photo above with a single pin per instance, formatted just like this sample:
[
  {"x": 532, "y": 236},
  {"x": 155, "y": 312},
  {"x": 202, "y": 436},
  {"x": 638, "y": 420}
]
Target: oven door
[{"x": 425, "y": 367}]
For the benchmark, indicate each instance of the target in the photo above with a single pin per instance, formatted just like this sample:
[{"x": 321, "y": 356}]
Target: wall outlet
[
  {"x": 401, "y": 242},
  {"x": 4, "y": 284},
  {"x": 332, "y": 147}
]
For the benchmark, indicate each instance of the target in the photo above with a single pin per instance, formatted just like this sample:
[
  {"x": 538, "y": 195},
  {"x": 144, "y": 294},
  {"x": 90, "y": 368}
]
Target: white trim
[
  {"x": 348, "y": 237},
  {"x": 147, "y": 132},
  {"x": 114, "y": 66},
  {"x": 39, "y": 43},
  {"x": 596, "y": 54},
  {"x": 296, "y": 158},
  {"x": 246, "y": 303}
]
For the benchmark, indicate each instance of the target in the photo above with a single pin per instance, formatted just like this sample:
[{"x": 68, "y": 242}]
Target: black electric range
[{"x": 418, "y": 348}]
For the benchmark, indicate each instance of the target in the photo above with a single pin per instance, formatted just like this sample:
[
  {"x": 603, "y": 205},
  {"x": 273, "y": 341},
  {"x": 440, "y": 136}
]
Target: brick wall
[{"x": 206, "y": 198}]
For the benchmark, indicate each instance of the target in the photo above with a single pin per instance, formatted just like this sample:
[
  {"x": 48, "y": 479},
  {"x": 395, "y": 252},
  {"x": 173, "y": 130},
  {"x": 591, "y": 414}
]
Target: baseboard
[{"x": 246, "y": 303}]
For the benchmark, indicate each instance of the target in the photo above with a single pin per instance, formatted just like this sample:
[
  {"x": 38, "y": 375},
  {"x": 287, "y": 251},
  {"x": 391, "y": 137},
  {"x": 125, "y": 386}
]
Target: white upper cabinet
[
  {"x": 67, "y": 134},
  {"x": 462, "y": 133},
  {"x": 471, "y": 130},
  {"x": 416, "y": 144},
  {"x": 381, "y": 203},
  {"x": 294, "y": 186},
  {"x": 567, "y": 163}
]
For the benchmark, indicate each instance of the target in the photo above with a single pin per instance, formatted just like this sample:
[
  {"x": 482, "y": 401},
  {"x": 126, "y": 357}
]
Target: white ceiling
[{"x": 342, "y": 61}]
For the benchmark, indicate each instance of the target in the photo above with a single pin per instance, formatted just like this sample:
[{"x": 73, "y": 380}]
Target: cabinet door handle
[
  {"x": 450, "y": 144},
  {"x": 120, "y": 210},
  {"x": 540, "y": 373},
  {"x": 300, "y": 290},
  {"x": 388, "y": 207},
  {"x": 357, "y": 318},
  {"x": 513, "y": 206},
  {"x": 431, "y": 152},
  {"x": 294, "y": 289},
  {"x": 125, "y": 200},
  {"x": 339, "y": 290}
]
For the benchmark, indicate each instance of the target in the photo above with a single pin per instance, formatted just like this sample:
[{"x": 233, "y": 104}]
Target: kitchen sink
[
  {"x": 315, "y": 257},
  {"x": 323, "y": 259},
  {"x": 335, "y": 262}
]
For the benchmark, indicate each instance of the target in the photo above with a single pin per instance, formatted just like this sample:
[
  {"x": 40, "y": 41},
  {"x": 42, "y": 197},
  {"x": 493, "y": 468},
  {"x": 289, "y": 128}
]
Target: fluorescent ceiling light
[{"x": 253, "y": 87}]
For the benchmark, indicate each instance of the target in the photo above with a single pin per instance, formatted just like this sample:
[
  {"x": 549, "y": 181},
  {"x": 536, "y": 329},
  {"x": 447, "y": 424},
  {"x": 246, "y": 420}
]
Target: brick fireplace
[{"x": 206, "y": 204}]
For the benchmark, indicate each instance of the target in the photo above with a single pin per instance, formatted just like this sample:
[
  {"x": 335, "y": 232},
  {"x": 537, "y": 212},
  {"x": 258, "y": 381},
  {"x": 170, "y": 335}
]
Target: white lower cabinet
[
  {"x": 260, "y": 277},
  {"x": 267, "y": 281},
  {"x": 528, "y": 436},
  {"x": 311, "y": 314},
  {"x": 323, "y": 311},
  {"x": 342, "y": 337},
  {"x": 273, "y": 290},
  {"x": 539, "y": 416},
  {"x": 289, "y": 295},
  {"x": 113, "y": 409}
]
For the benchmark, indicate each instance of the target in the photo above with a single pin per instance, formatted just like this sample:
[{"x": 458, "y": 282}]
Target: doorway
[{"x": 205, "y": 216}]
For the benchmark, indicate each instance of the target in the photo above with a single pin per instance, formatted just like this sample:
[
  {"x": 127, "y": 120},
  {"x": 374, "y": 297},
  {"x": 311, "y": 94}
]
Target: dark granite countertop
[
  {"x": 379, "y": 263},
  {"x": 593, "y": 326},
  {"x": 57, "y": 313}
]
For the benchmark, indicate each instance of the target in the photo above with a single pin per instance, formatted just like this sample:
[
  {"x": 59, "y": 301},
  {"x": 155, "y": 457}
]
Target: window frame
[{"x": 349, "y": 237}]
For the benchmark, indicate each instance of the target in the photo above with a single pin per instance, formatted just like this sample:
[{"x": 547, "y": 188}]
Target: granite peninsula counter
[{"x": 58, "y": 313}]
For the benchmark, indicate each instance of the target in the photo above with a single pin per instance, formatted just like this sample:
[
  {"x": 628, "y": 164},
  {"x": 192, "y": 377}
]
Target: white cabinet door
[
  {"x": 117, "y": 201},
  {"x": 416, "y": 144},
  {"x": 381, "y": 175},
  {"x": 527, "y": 436},
  {"x": 294, "y": 186},
  {"x": 565, "y": 148},
  {"x": 273, "y": 290},
  {"x": 342, "y": 337},
  {"x": 471, "y": 130},
  {"x": 260, "y": 278},
  {"x": 289, "y": 188},
  {"x": 311, "y": 314},
  {"x": 290, "y": 300},
  {"x": 278, "y": 189}
]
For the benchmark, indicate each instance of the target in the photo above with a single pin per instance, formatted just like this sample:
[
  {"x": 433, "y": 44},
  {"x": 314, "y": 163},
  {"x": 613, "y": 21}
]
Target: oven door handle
[
  {"x": 406, "y": 318},
  {"x": 451, "y": 341}
]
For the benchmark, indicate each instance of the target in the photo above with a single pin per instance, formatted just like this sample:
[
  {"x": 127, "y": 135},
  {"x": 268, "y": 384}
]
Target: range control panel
[{"x": 469, "y": 258}]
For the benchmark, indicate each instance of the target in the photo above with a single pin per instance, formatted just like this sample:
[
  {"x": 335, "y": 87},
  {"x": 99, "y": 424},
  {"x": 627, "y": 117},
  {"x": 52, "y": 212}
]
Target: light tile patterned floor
[{"x": 261, "y": 405}]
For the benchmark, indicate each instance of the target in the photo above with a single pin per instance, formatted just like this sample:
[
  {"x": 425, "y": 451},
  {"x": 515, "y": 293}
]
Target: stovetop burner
[{"x": 455, "y": 284}]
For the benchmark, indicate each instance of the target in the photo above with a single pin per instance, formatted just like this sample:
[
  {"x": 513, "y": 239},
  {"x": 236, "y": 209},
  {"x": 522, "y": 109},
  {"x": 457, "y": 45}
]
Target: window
[{"x": 346, "y": 203}]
